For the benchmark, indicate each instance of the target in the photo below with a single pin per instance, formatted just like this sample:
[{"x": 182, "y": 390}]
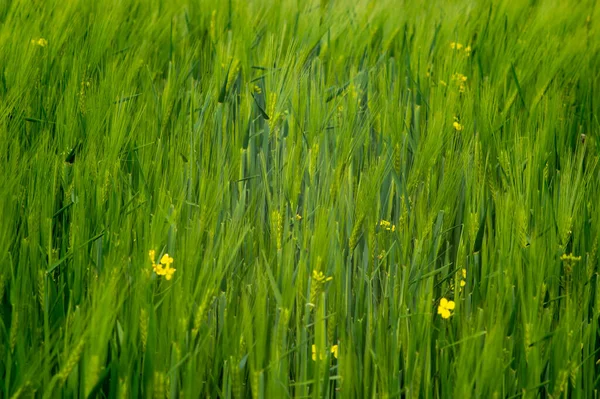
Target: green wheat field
[{"x": 299, "y": 199}]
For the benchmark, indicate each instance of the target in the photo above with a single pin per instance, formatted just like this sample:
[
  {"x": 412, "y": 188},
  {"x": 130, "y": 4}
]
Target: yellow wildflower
[
  {"x": 158, "y": 269},
  {"x": 457, "y": 126},
  {"x": 335, "y": 351},
  {"x": 163, "y": 268},
  {"x": 464, "y": 273},
  {"x": 459, "y": 77},
  {"x": 298, "y": 217},
  {"x": 387, "y": 225},
  {"x": 166, "y": 260},
  {"x": 456, "y": 46},
  {"x": 314, "y": 353},
  {"x": 463, "y": 283},
  {"x": 323, "y": 354},
  {"x": 468, "y": 50},
  {"x": 169, "y": 273},
  {"x": 40, "y": 42},
  {"x": 445, "y": 307}
]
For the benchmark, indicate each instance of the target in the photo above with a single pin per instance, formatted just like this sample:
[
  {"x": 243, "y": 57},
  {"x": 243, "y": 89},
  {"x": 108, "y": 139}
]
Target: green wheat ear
[{"x": 356, "y": 232}]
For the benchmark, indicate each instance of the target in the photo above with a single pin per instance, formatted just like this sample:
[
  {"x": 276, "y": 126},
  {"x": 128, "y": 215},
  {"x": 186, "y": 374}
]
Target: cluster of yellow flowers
[
  {"x": 458, "y": 46},
  {"x": 323, "y": 354},
  {"x": 39, "y": 42},
  {"x": 163, "y": 268},
  {"x": 464, "y": 276},
  {"x": 384, "y": 224},
  {"x": 457, "y": 126},
  {"x": 460, "y": 79},
  {"x": 445, "y": 307}
]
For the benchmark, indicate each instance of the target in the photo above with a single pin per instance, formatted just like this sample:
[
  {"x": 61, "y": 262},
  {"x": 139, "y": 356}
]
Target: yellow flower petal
[
  {"x": 445, "y": 313},
  {"x": 169, "y": 271},
  {"x": 166, "y": 260},
  {"x": 159, "y": 269},
  {"x": 451, "y": 305},
  {"x": 443, "y": 302},
  {"x": 463, "y": 283},
  {"x": 334, "y": 350}
]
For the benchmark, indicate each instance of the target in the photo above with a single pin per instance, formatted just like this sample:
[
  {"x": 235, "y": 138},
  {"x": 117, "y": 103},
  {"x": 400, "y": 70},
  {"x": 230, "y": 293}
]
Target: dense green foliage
[{"x": 322, "y": 173}]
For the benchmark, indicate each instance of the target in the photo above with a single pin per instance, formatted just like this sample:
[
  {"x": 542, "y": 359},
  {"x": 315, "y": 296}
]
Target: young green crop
[{"x": 345, "y": 198}]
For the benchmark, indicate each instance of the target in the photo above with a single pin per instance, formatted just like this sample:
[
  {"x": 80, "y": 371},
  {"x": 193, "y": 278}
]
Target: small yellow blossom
[
  {"x": 457, "y": 126},
  {"x": 166, "y": 260},
  {"x": 314, "y": 353},
  {"x": 464, "y": 276},
  {"x": 323, "y": 354},
  {"x": 335, "y": 351},
  {"x": 298, "y": 217},
  {"x": 456, "y": 46},
  {"x": 445, "y": 307},
  {"x": 468, "y": 50},
  {"x": 40, "y": 42},
  {"x": 163, "y": 268},
  {"x": 158, "y": 269},
  {"x": 169, "y": 273},
  {"x": 387, "y": 225},
  {"x": 459, "y": 77}
]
